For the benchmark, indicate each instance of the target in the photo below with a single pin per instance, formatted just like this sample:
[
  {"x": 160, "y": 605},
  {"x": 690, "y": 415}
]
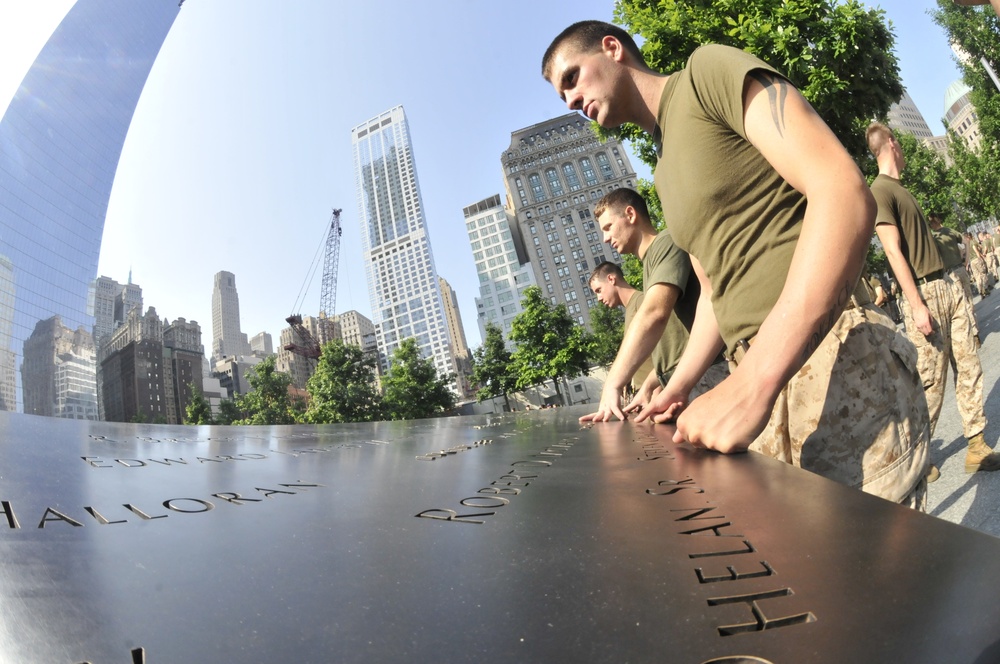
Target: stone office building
[
  {"x": 555, "y": 171},
  {"x": 131, "y": 362},
  {"x": 58, "y": 371},
  {"x": 148, "y": 369}
]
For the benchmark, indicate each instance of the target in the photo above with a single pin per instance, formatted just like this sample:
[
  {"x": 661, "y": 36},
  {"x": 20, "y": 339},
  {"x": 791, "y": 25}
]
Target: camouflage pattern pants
[
  {"x": 855, "y": 412},
  {"x": 960, "y": 282},
  {"x": 978, "y": 268},
  {"x": 952, "y": 342}
]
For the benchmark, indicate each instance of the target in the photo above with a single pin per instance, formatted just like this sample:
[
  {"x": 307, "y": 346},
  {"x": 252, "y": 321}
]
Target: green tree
[
  {"x": 413, "y": 388},
  {"x": 229, "y": 412},
  {"x": 198, "y": 410},
  {"x": 491, "y": 367},
  {"x": 838, "y": 54},
  {"x": 926, "y": 176},
  {"x": 977, "y": 31},
  {"x": 268, "y": 401},
  {"x": 343, "y": 387},
  {"x": 607, "y": 325},
  {"x": 550, "y": 344}
]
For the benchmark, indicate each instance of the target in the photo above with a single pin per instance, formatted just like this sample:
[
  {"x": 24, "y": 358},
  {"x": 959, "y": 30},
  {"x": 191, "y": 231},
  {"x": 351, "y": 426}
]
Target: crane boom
[
  {"x": 310, "y": 346},
  {"x": 331, "y": 260}
]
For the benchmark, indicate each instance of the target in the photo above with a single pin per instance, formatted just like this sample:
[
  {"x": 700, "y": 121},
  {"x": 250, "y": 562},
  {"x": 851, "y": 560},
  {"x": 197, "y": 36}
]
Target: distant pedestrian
[{"x": 936, "y": 320}]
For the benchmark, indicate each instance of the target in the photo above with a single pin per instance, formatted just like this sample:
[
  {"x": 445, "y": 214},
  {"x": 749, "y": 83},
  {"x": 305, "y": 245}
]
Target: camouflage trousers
[
  {"x": 952, "y": 342},
  {"x": 978, "y": 268},
  {"x": 960, "y": 282},
  {"x": 993, "y": 265},
  {"x": 716, "y": 373},
  {"x": 855, "y": 412}
]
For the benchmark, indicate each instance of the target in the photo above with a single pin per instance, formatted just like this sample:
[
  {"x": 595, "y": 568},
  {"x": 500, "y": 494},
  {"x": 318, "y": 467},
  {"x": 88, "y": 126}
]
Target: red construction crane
[{"x": 310, "y": 346}]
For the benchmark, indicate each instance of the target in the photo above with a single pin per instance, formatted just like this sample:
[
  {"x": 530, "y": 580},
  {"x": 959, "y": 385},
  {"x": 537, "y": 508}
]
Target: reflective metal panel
[
  {"x": 515, "y": 538},
  {"x": 60, "y": 140}
]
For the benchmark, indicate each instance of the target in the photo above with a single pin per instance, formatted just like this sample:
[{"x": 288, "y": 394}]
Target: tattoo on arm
[
  {"x": 777, "y": 93},
  {"x": 828, "y": 321}
]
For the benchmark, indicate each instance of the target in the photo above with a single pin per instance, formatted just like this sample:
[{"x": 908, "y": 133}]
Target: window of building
[{"x": 555, "y": 186}]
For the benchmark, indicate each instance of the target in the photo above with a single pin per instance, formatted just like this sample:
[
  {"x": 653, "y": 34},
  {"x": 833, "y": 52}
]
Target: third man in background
[{"x": 936, "y": 321}]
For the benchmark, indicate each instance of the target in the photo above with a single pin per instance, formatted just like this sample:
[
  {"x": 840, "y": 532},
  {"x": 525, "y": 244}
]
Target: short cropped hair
[
  {"x": 604, "y": 270},
  {"x": 619, "y": 199},
  {"x": 877, "y": 136},
  {"x": 586, "y": 37}
]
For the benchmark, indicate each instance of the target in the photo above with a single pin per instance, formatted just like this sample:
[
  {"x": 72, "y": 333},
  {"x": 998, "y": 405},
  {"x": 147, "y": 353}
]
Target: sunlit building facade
[
  {"x": 555, "y": 172},
  {"x": 60, "y": 141},
  {"x": 501, "y": 263},
  {"x": 399, "y": 265}
]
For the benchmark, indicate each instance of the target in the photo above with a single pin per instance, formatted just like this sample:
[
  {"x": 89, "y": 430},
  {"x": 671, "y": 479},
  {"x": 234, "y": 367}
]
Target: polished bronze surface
[{"x": 515, "y": 538}]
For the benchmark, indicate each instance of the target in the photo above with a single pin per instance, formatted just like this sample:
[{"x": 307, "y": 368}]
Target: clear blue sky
[{"x": 240, "y": 145}]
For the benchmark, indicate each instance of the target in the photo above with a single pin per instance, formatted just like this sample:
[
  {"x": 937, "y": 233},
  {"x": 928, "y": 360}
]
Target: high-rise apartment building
[
  {"x": 227, "y": 337},
  {"x": 501, "y": 263},
  {"x": 357, "y": 330},
  {"x": 459, "y": 346},
  {"x": 58, "y": 371},
  {"x": 62, "y": 135},
  {"x": 261, "y": 345},
  {"x": 906, "y": 117},
  {"x": 110, "y": 304},
  {"x": 556, "y": 170},
  {"x": 399, "y": 265}
]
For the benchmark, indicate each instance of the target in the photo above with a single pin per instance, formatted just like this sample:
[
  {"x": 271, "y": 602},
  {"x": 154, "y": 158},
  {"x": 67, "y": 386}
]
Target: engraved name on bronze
[
  {"x": 521, "y": 474},
  {"x": 183, "y": 505},
  {"x": 714, "y": 538}
]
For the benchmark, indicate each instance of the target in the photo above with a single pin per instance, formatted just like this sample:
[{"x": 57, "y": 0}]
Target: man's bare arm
[
  {"x": 642, "y": 336},
  {"x": 836, "y": 228},
  {"x": 889, "y": 236}
]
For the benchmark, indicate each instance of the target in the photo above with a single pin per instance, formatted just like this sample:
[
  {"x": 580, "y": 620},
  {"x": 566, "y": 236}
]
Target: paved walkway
[{"x": 970, "y": 500}]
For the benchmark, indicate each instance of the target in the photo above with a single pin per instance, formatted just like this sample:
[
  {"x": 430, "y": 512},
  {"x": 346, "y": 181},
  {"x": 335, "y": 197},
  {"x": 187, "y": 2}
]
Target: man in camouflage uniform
[
  {"x": 953, "y": 254},
  {"x": 937, "y": 321},
  {"x": 989, "y": 254},
  {"x": 977, "y": 266},
  {"x": 822, "y": 379}
]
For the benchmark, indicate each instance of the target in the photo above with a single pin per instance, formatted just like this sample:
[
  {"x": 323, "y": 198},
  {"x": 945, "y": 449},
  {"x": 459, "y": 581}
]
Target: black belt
[{"x": 933, "y": 276}]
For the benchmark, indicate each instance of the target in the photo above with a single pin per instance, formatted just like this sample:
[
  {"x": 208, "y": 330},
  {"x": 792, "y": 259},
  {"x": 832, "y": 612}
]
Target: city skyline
[{"x": 248, "y": 133}]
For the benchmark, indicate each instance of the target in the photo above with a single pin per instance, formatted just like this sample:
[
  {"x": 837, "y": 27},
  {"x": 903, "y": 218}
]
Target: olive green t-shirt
[
  {"x": 630, "y": 311},
  {"x": 722, "y": 200},
  {"x": 948, "y": 243},
  {"x": 665, "y": 263},
  {"x": 898, "y": 207}
]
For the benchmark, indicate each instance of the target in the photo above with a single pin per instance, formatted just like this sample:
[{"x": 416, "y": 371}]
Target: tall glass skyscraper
[
  {"x": 399, "y": 266},
  {"x": 60, "y": 140}
]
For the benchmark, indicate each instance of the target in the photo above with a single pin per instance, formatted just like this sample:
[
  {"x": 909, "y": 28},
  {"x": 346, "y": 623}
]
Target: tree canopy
[
  {"x": 343, "y": 387},
  {"x": 491, "y": 367},
  {"x": 838, "y": 54},
  {"x": 413, "y": 388},
  {"x": 607, "y": 325},
  {"x": 550, "y": 344},
  {"x": 198, "y": 410},
  {"x": 268, "y": 401}
]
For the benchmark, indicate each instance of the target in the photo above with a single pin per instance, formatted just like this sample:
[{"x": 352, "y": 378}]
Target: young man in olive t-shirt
[
  {"x": 609, "y": 285},
  {"x": 776, "y": 217},
  {"x": 937, "y": 321},
  {"x": 662, "y": 321}
]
